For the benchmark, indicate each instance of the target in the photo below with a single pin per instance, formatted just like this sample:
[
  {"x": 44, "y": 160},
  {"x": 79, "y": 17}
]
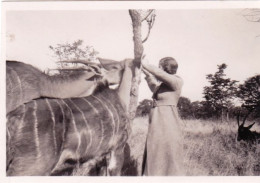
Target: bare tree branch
[
  {"x": 150, "y": 26},
  {"x": 149, "y": 13},
  {"x": 252, "y": 15}
]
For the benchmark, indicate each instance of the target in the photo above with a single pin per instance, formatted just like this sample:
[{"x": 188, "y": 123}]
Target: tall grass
[{"x": 210, "y": 148}]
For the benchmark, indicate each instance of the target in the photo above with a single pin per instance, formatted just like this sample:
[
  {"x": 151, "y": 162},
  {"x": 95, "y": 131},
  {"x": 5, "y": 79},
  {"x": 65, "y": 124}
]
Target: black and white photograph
[{"x": 162, "y": 90}]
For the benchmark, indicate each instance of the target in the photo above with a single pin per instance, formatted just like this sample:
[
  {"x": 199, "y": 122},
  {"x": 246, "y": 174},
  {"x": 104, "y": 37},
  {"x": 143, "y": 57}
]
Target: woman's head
[{"x": 169, "y": 65}]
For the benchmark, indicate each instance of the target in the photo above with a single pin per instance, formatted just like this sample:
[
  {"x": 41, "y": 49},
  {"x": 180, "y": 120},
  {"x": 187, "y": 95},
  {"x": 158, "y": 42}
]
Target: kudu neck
[
  {"x": 124, "y": 88},
  {"x": 75, "y": 85}
]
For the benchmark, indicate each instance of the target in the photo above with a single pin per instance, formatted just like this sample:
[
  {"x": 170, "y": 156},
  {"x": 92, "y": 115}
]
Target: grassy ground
[{"x": 210, "y": 148}]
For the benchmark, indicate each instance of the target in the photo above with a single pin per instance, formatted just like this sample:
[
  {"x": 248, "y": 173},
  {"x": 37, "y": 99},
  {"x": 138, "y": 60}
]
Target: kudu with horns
[
  {"x": 52, "y": 136},
  {"x": 25, "y": 83},
  {"x": 244, "y": 133}
]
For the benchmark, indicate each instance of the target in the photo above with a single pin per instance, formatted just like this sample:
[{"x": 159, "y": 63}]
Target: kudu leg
[
  {"x": 101, "y": 166},
  {"x": 117, "y": 155},
  {"x": 116, "y": 162},
  {"x": 66, "y": 164}
]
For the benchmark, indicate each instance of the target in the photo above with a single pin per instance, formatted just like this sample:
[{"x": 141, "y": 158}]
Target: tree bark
[{"x": 138, "y": 53}]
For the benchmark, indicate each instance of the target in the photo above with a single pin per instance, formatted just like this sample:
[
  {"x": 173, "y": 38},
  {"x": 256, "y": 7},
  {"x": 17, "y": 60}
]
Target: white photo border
[{"x": 103, "y": 5}]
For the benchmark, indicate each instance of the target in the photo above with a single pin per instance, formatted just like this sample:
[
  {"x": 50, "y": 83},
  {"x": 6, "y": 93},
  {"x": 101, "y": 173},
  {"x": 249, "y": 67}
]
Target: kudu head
[
  {"x": 111, "y": 70},
  {"x": 244, "y": 132}
]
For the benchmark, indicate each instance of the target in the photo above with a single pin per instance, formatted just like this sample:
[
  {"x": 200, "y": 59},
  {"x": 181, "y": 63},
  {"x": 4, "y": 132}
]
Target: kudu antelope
[
  {"x": 244, "y": 133},
  {"x": 25, "y": 83},
  {"x": 52, "y": 136}
]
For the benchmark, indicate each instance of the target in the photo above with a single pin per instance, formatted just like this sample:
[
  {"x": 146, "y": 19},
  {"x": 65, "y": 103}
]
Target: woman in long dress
[{"x": 163, "y": 154}]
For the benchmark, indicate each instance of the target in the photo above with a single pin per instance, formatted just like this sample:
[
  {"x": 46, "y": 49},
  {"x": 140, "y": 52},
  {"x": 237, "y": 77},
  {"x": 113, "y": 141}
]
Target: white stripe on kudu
[
  {"x": 117, "y": 129},
  {"x": 11, "y": 83},
  {"x": 102, "y": 128},
  {"x": 112, "y": 116},
  {"x": 36, "y": 135},
  {"x": 63, "y": 121},
  {"x": 86, "y": 122},
  {"x": 8, "y": 133},
  {"x": 9, "y": 93},
  {"x": 20, "y": 126},
  {"x": 75, "y": 128},
  {"x": 54, "y": 125},
  {"x": 20, "y": 85}
]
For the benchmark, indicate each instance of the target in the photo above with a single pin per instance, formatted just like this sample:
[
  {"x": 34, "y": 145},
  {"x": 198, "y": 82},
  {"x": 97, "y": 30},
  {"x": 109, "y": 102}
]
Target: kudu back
[
  {"x": 244, "y": 132},
  {"x": 53, "y": 136}
]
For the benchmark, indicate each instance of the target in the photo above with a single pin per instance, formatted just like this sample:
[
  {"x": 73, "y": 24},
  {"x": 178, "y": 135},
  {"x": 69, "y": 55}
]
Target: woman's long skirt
[{"x": 164, "y": 146}]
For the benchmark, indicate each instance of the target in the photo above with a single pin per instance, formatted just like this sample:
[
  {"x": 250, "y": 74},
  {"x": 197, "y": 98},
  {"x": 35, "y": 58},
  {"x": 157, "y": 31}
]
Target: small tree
[
  {"x": 144, "y": 107},
  {"x": 67, "y": 53},
  {"x": 238, "y": 110},
  {"x": 185, "y": 108},
  {"x": 203, "y": 110},
  {"x": 221, "y": 91},
  {"x": 249, "y": 93},
  {"x": 195, "y": 108}
]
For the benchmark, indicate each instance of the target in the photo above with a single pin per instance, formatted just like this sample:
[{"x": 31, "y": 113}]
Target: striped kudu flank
[
  {"x": 25, "y": 83},
  {"x": 53, "y": 136}
]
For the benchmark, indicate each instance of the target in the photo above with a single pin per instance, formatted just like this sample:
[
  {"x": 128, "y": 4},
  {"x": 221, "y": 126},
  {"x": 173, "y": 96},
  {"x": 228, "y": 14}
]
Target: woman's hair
[{"x": 169, "y": 65}]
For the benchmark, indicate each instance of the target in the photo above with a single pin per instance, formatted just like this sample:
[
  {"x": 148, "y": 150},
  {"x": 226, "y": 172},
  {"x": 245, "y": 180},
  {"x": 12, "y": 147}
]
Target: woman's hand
[
  {"x": 145, "y": 62},
  {"x": 145, "y": 72}
]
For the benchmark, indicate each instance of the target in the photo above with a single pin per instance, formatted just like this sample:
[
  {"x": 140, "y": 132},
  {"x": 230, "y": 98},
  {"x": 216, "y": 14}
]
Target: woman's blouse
[{"x": 166, "y": 87}]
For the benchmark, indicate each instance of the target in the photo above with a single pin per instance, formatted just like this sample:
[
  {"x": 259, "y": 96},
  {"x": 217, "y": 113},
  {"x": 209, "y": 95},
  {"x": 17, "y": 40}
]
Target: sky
[{"x": 199, "y": 39}]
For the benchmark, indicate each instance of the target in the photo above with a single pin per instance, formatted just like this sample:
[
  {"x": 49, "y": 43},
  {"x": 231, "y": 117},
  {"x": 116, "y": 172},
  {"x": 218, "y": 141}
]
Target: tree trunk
[
  {"x": 222, "y": 115},
  {"x": 227, "y": 115},
  {"x": 138, "y": 53}
]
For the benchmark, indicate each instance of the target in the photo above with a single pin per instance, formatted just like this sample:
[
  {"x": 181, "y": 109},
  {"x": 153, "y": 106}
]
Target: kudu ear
[
  {"x": 250, "y": 126},
  {"x": 111, "y": 64}
]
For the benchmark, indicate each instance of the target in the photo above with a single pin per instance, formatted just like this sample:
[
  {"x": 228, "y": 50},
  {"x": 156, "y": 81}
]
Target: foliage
[
  {"x": 144, "y": 107},
  {"x": 64, "y": 53},
  {"x": 184, "y": 107},
  {"x": 221, "y": 90},
  {"x": 202, "y": 110},
  {"x": 193, "y": 110},
  {"x": 235, "y": 111},
  {"x": 73, "y": 51},
  {"x": 249, "y": 93}
]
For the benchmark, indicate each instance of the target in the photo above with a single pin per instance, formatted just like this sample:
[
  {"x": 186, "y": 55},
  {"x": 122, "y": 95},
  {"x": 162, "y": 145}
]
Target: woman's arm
[
  {"x": 152, "y": 82},
  {"x": 172, "y": 81}
]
